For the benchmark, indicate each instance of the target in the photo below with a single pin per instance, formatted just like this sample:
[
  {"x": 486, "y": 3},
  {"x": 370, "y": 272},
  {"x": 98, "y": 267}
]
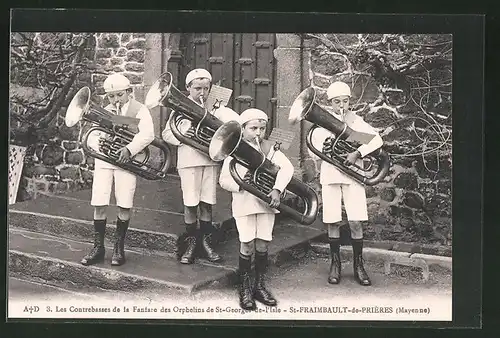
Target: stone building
[{"x": 266, "y": 71}]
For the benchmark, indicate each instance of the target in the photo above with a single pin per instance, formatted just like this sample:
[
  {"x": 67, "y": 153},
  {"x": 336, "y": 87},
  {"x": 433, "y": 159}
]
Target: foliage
[
  {"x": 44, "y": 69},
  {"x": 413, "y": 76}
]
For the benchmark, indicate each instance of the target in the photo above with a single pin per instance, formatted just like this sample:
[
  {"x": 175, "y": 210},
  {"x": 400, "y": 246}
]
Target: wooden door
[{"x": 243, "y": 62}]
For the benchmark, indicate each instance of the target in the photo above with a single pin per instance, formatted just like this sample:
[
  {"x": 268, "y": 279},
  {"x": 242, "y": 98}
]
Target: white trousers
[
  {"x": 255, "y": 226},
  {"x": 354, "y": 197},
  {"x": 199, "y": 184},
  {"x": 125, "y": 183}
]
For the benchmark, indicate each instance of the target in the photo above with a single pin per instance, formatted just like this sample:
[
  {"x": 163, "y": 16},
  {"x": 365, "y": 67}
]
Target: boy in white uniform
[
  {"x": 198, "y": 174},
  {"x": 337, "y": 185},
  {"x": 254, "y": 218},
  {"x": 118, "y": 92}
]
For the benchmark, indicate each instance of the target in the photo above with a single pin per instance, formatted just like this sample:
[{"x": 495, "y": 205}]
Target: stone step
[
  {"x": 34, "y": 255},
  {"x": 154, "y": 225},
  {"x": 164, "y": 195},
  {"x": 41, "y": 256}
]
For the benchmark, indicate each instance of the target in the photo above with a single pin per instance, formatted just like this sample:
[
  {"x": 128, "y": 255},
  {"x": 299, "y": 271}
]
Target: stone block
[
  {"x": 135, "y": 55},
  {"x": 445, "y": 262},
  {"x": 118, "y": 69},
  {"x": 407, "y": 261},
  {"x": 116, "y": 61},
  {"x": 136, "y": 44},
  {"x": 398, "y": 211},
  {"x": 67, "y": 133},
  {"x": 69, "y": 145},
  {"x": 406, "y": 180},
  {"x": 52, "y": 155},
  {"x": 139, "y": 35},
  {"x": 74, "y": 157},
  {"x": 41, "y": 170},
  {"x": 109, "y": 40},
  {"x": 380, "y": 118},
  {"x": 134, "y": 78},
  {"x": 41, "y": 185},
  {"x": 413, "y": 200},
  {"x": 125, "y": 38},
  {"x": 288, "y": 40},
  {"x": 103, "y": 53},
  {"x": 134, "y": 67},
  {"x": 72, "y": 173},
  {"x": 388, "y": 194},
  {"x": 121, "y": 52},
  {"x": 288, "y": 75}
]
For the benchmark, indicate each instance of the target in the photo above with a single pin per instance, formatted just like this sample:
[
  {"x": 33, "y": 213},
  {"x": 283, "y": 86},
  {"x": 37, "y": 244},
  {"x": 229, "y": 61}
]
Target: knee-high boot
[
  {"x": 359, "y": 270},
  {"x": 207, "y": 230},
  {"x": 189, "y": 243},
  {"x": 96, "y": 255},
  {"x": 335, "y": 266},
  {"x": 245, "y": 283},
  {"x": 119, "y": 249},
  {"x": 261, "y": 293}
]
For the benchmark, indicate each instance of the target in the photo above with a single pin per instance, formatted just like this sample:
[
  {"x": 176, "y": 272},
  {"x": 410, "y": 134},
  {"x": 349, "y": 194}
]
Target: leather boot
[
  {"x": 96, "y": 255},
  {"x": 261, "y": 293},
  {"x": 206, "y": 241},
  {"x": 335, "y": 266},
  {"x": 245, "y": 284},
  {"x": 359, "y": 270},
  {"x": 119, "y": 249},
  {"x": 190, "y": 244}
]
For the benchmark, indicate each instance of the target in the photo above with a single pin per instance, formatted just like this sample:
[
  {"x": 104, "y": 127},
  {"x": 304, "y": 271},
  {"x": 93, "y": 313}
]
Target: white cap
[
  {"x": 252, "y": 114},
  {"x": 198, "y": 73},
  {"x": 116, "y": 82},
  {"x": 338, "y": 88}
]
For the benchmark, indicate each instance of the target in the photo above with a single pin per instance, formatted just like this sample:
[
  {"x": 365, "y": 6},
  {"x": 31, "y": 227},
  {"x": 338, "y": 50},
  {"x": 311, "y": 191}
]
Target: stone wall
[
  {"x": 413, "y": 203},
  {"x": 58, "y": 164}
]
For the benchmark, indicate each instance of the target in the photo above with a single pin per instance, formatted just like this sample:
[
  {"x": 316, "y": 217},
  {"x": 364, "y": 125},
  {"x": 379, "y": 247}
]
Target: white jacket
[
  {"x": 329, "y": 173},
  {"x": 141, "y": 139},
  {"x": 188, "y": 156},
  {"x": 244, "y": 203}
]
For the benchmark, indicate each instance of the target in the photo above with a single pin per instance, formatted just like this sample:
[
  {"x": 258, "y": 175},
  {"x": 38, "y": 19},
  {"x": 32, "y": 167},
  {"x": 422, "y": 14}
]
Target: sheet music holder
[
  {"x": 283, "y": 137},
  {"x": 131, "y": 122},
  {"x": 218, "y": 95},
  {"x": 360, "y": 137}
]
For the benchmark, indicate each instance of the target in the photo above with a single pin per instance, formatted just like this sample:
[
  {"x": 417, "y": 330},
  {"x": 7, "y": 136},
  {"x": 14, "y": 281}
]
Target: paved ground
[{"x": 301, "y": 290}]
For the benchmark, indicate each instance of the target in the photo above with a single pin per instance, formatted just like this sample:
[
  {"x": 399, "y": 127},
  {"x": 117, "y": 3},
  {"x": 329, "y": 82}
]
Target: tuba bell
[
  {"x": 115, "y": 134},
  {"x": 376, "y": 165},
  {"x": 227, "y": 141},
  {"x": 204, "y": 124}
]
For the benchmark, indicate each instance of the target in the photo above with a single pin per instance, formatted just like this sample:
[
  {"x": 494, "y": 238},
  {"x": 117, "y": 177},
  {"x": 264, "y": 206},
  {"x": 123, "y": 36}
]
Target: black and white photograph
[{"x": 260, "y": 176}]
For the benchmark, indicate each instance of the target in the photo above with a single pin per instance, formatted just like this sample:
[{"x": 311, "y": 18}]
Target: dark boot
[
  {"x": 119, "y": 249},
  {"x": 245, "y": 286},
  {"x": 359, "y": 270},
  {"x": 261, "y": 293},
  {"x": 96, "y": 255},
  {"x": 190, "y": 244},
  {"x": 206, "y": 242},
  {"x": 335, "y": 266}
]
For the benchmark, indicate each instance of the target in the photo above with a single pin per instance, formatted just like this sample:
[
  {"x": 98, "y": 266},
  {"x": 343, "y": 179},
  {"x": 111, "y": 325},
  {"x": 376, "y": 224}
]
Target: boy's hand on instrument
[
  {"x": 352, "y": 157},
  {"x": 328, "y": 146},
  {"x": 123, "y": 155},
  {"x": 275, "y": 198}
]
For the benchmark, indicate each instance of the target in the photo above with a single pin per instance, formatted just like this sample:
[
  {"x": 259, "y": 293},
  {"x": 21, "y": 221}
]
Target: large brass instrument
[
  {"x": 375, "y": 165},
  {"x": 227, "y": 141},
  {"x": 113, "y": 135},
  {"x": 203, "y": 123}
]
